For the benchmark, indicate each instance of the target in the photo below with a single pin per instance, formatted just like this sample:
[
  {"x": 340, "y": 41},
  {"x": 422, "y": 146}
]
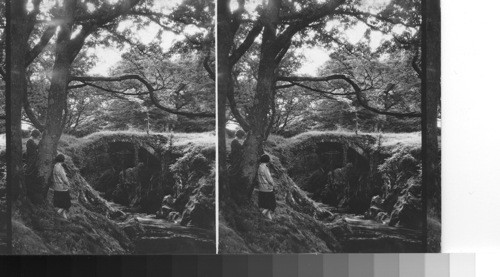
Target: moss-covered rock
[{"x": 194, "y": 173}]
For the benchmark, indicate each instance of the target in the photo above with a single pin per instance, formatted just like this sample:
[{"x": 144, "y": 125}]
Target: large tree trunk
[
  {"x": 56, "y": 103},
  {"x": 432, "y": 79},
  {"x": 18, "y": 34},
  {"x": 259, "y": 113}
]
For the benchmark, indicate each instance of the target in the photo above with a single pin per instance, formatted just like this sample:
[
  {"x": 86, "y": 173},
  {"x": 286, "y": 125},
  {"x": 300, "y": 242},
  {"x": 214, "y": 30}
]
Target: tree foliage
[
  {"x": 55, "y": 41},
  {"x": 261, "y": 41}
]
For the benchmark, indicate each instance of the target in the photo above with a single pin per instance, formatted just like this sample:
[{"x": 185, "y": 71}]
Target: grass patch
[
  {"x": 384, "y": 142},
  {"x": 178, "y": 139}
]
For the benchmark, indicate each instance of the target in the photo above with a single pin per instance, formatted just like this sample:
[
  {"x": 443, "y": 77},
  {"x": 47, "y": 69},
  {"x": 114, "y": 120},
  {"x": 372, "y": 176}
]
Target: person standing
[
  {"x": 30, "y": 168},
  {"x": 237, "y": 148},
  {"x": 62, "y": 200},
  {"x": 32, "y": 150},
  {"x": 235, "y": 158},
  {"x": 266, "y": 188}
]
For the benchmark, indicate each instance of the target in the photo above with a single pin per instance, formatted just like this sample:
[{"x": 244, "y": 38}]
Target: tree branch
[
  {"x": 102, "y": 16},
  {"x": 38, "y": 48},
  {"x": 304, "y": 18},
  {"x": 150, "y": 89},
  {"x": 234, "y": 109},
  {"x": 31, "y": 114},
  {"x": 363, "y": 16},
  {"x": 281, "y": 54},
  {"x": 123, "y": 92},
  {"x": 315, "y": 89},
  {"x": 245, "y": 45},
  {"x": 31, "y": 18},
  {"x": 357, "y": 91},
  {"x": 76, "y": 44}
]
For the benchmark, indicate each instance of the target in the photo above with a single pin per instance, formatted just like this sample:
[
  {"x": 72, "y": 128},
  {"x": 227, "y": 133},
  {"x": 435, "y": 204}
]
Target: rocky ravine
[
  {"x": 144, "y": 170},
  {"x": 338, "y": 215}
]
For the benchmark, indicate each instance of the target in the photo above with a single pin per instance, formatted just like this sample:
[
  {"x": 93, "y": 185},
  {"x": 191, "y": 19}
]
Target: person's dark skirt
[
  {"x": 62, "y": 199},
  {"x": 267, "y": 200}
]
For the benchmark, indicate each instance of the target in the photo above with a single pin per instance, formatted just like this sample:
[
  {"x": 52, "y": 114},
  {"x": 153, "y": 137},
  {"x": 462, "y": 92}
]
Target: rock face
[
  {"x": 400, "y": 203},
  {"x": 107, "y": 182},
  {"x": 340, "y": 171},
  {"x": 407, "y": 211},
  {"x": 199, "y": 210},
  {"x": 195, "y": 178},
  {"x": 129, "y": 169},
  {"x": 354, "y": 175},
  {"x": 174, "y": 183},
  {"x": 376, "y": 211},
  {"x": 139, "y": 186},
  {"x": 167, "y": 200},
  {"x": 166, "y": 211}
]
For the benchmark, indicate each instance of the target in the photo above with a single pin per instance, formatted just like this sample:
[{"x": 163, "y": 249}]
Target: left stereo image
[{"x": 110, "y": 127}]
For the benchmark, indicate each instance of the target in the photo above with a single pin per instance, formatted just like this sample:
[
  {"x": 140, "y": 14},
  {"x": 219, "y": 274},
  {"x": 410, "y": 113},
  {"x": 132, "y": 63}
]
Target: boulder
[
  {"x": 107, "y": 182},
  {"x": 407, "y": 212},
  {"x": 168, "y": 200},
  {"x": 415, "y": 189},
  {"x": 166, "y": 210},
  {"x": 173, "y": 216},
  {"x": 390, "y": 200},
  {"x": 200, "y": 209},
  {"x": 133, "y": 228},
  {"x": 375, "y": 207},
  {"x": 382, "y": 217},
  {"x": 376, "y": 201}
]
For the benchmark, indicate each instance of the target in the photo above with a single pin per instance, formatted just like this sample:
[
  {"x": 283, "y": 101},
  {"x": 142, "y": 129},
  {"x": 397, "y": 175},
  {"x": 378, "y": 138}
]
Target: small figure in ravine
[{"x": 266, "y": 188}]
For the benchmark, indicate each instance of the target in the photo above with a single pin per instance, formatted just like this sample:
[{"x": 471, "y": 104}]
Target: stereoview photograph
[
  {"x": 112, "y": 126},
  {"x": 320, "y": 123}
]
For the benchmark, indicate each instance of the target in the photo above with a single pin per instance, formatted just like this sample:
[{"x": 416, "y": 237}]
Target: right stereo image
[{"x": 328, "y": 126}]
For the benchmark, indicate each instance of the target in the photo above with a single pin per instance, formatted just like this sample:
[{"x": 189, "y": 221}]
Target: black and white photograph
[
  {"x": 4, "y": 216},
  {"x": 329, "y": 128},
  {"x": 249, "y": 137},
  {"x": 112, "y": 126}
]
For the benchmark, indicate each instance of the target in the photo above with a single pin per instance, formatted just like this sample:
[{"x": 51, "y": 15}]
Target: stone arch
[{"x": 338, "y": 153}]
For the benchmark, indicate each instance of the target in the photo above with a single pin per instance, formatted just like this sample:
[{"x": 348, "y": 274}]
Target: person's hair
[
  {"x": 265, "y": 158},
  {"x": 240, "y": 133},
  {"x": 59, "y": 158},
  {"x": 35, "y": 133}
]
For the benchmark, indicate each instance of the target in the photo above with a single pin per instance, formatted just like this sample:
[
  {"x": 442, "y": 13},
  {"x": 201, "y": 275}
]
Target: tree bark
[
  {"x": 266, "y": 79},
  {"x": 56, "y": 103},
  {"x": 18, "y": 37},
  {"x": 224, "y": 83},
  {"x": 432, "y": 98}
]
